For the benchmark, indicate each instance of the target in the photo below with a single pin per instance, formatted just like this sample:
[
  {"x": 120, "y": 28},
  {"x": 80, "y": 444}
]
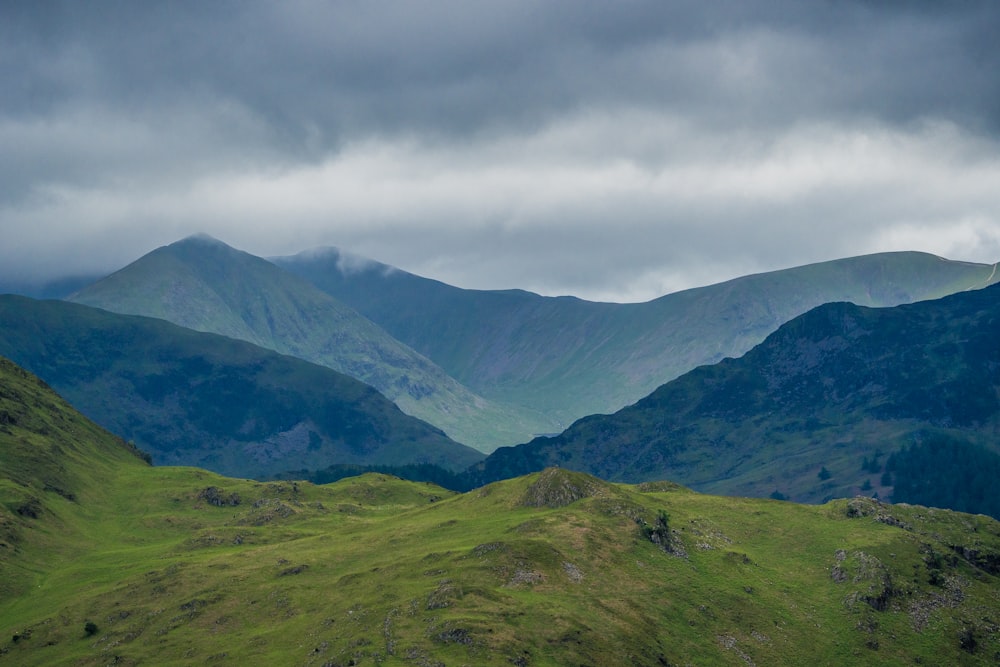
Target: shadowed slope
[
  {"x": 812, "y": 411},
  {"x": 201, "y": 399}
]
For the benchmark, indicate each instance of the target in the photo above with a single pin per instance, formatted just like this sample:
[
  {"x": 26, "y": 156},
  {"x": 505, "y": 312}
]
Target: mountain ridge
[
  {"x": 203, "y": 284},
  {"x": 573, "y": 358},
  {"x": 203, "y": 399}
]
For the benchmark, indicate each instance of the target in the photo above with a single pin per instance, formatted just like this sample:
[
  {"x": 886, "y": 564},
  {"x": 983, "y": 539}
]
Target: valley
[{"x": 572, "y": 358}]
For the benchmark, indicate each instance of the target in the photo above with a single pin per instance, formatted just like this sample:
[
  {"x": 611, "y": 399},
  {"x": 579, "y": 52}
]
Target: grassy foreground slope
[
  {"x": 192, "y": 398},
  {"x": 203, "y": 284},
  {"x": 573, "y": 358},
  {"x": 138, "y": 565},
  {"x": 55, "y": 466}
]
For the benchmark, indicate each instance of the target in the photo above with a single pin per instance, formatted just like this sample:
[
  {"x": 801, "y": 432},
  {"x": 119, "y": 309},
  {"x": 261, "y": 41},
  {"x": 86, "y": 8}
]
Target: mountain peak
[
  {"x": 347, "y": 263},
  {"x": 203, "y": 239}
]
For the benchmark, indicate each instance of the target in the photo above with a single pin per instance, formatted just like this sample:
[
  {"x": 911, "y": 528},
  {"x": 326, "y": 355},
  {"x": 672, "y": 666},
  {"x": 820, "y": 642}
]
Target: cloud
[
  {"x": 547, "y": 212},
  {"x": 613, "y": 152}
]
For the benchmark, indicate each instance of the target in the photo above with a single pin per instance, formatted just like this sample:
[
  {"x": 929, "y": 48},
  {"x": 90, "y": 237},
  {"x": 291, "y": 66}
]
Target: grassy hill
[
  {"x": 137, "y": 565},
  {"x": 811, "y": 413},
  {"x": 571, "y": 358},
  {"x": 203, "y": 284},
  {"x": 200, "y": 399},
  {"x": 55, "y": 466}
]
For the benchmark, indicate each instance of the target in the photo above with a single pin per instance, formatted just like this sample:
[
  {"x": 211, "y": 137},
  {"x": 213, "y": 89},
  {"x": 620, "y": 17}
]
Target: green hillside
[
  {"x": 194, "y": 398},
  {"x": 130, "y": 565},
  {"x": 572, "y": 358},
  {"x": 55, "y": 467},
  {"x": 202, "y": 284},
  {"x": 813, "y": 412}
]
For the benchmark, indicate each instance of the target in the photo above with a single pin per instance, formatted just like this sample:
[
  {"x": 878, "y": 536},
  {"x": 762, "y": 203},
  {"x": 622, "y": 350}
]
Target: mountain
[
  {"x": 193, "y": 398},
  {"x": 137, "y": 565},
  {"x": 570, "y": 358},
  {"x": 203, "y": 284},
  {"x": 811, "y": 413}
]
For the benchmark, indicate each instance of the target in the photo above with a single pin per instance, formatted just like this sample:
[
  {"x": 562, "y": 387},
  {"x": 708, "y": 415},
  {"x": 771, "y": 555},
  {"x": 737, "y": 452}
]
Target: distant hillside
[
  {"x": 159, "y": 566},
  {"x": 193, "y": 398},
  {"x": 203, "y": 284},
  {"x": 812, "y": 412},
  {"x": 59, "y": 288},
  {"x": 571, "y": 358}
]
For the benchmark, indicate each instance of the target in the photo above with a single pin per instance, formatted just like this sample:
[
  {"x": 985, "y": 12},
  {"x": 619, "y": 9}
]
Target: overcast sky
[{"x": 610, "y": 150}]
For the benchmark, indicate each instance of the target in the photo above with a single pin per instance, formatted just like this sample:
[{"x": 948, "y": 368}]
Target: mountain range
[
  {"x": 202, "y": 399},
  {"x": 106, "y": 560},
  {"x": 569, "y": 358},
  {"x": 816, "y": 429},
  {"x": 493, "y": 368},
  {"x": 811, "y": 413}
]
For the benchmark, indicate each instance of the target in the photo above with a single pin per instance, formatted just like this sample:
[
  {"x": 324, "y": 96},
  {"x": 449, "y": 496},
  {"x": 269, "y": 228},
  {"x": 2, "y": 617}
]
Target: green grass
[
  {"x": 177, "y": 565},
  {"x": 371, "y": 570}
]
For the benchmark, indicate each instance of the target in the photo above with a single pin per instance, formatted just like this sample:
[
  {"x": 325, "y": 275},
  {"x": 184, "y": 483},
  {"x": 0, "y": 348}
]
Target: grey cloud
[
  {"x": 335, "y": 69},
  {"x": 652, "y": 133}
]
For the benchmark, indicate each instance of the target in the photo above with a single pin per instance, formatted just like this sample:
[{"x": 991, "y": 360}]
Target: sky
[{"x": 608, "y": 150}]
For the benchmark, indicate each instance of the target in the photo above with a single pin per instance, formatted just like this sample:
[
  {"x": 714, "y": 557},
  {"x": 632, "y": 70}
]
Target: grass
[
  {"x": 382, "y": 571},
  {"x": 130, "y": 564}
]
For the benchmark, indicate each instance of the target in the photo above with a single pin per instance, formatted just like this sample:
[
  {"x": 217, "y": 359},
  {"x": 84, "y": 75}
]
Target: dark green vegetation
[
  {"x": 943, "y": 472},
  {"x": 205, "y": 285},
  {"x": 105, "y": 560},
  {"x": 200, "y": 399},
  {"x": 571, "y": 358},
  {"x": 836, "y": 390}
]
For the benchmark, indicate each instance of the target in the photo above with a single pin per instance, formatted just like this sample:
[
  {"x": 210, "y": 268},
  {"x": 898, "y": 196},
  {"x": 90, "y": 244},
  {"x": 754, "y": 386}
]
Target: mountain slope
[
  {"x": 572, "y": 358},
  {"x": 55, "y": 466},
  {"x": 808, "y": 412},
  {"x": 203, "y": 284},
  {"x": 180, "y": 566},
  {"x": 200, "y": 399}
]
